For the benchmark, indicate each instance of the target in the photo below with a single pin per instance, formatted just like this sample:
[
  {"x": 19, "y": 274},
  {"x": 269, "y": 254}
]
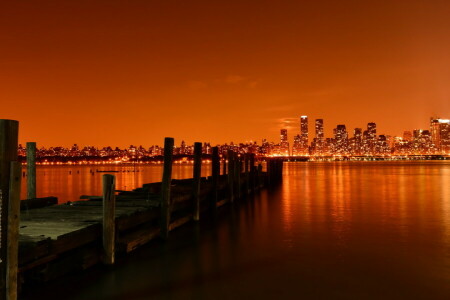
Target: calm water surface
[
  {"x": 344, "y": 230},
  {"x": 69, "y": 182}
]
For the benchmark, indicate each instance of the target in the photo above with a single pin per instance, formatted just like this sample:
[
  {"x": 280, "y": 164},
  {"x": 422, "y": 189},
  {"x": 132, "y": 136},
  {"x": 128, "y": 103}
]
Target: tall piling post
[
  {"x": 269, "y": 171},
  {"x": 13, "y": 230},
  {"x": 165, "y": 187},
  {"x": 31, "y": 170},
  {"x": 109, "y": 223},
  {"x": 9, "y": 130},
  {"x": 260, "y": 172},
  {"x": 224, "y": 172},
  {"x": 237, "y": 174},
  {"x": 215, "y": 176},
  {"x": 247, "y": 173},
  {"x": 252, "y": 171},
  {"x": 231, "y": 175},
  {"x": 197, "y": 177}
]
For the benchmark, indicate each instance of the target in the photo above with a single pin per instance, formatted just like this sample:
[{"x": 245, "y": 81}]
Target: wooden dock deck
[{"x": 61, "y": 239}]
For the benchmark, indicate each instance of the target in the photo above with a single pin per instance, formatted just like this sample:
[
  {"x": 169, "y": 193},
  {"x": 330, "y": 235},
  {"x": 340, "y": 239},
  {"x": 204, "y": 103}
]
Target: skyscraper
[
  {"x": 304, "y": 142},
  {"x": 341, "y": 139},
  {"x": 372, "y": 130},
  {"x": 284, "y": 143},
  {"x": 440, "y": 134},
  {"x": 319, "y": 129}
]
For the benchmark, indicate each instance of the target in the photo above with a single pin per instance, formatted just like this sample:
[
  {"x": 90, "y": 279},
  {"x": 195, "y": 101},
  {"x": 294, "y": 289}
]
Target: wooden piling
[
  {"x": 165, "y": 187},
  {"x": 196, "y": 182},
  {"x": 31, "y": 170},
  {"x": 12, "y": 259},
  {"x": 237, "y": 174},
  {"x": 109, "y": 223},
  {"x": 260, "y": 171},
  {"x": 215, "y": 176},
  {"x": 224, "y": 172},
  {"x": 231, "y": 175},
  {"x": 247, "y": 173},
  {"x": 8, "y": 153},
  {"x": 252, "y": 171}
]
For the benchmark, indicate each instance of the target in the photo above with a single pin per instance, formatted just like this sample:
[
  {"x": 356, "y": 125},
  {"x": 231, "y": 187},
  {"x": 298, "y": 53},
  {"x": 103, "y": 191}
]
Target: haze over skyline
[{"x": 132, "y": 72}]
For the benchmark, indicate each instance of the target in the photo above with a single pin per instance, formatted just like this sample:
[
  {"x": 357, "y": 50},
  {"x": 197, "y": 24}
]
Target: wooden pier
[{"x": 60, "y": 239}]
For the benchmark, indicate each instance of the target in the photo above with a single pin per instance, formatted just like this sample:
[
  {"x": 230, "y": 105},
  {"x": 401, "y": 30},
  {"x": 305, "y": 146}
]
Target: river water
[{"x": 343, "y": 230}]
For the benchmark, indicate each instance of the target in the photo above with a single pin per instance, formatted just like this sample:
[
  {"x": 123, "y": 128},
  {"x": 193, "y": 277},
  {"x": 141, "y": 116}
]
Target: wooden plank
[
  {"x": 31, "y": 170},
  {"x": 180, "y": 221},
  {"x": 37, "y": 203},
  {"x": 133, "y": 240}
]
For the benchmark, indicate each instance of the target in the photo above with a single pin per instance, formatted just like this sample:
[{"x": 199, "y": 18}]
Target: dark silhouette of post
[
  {"x": 215, "y": 176},
  {"x": 230, "y": 175},
  {"x": 197, "y": 178},
  {"x": 9, "y": 130},
  {"x": 247, "y": 174},
  {"x": 165, "y": 187},
  {"x": 237, "y": 174},
  {"x": 12, "y": 259},
  {"x": 252, "y": 171},
  {"x": 224, "y": 172},
  {"x": 31, "y": 170},
  {"x": 109, "y": 223}
]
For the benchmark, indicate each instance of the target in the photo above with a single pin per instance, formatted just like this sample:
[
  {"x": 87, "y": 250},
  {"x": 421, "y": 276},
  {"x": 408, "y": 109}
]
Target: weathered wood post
[
  {"x": 31, "y": 170},
  {"x": 197, "y": 177},
  {"x": 269, "y": 171},
  {"x": 165, "y": 187},
  {"x": 215, "y": 176},
  {"x": 9, "y": 130},
  {"x": 237, "y": 174},
  {"x": 252, "y": 171},
  {"x": 260, "y": 172},
  {"x": 12, "y": 258},
  {"x": 247, "y": 174},
  {"x": 109, "y": 223},
  {"x": 224, "y": 172},
  {"x": 230, "y": 175}
]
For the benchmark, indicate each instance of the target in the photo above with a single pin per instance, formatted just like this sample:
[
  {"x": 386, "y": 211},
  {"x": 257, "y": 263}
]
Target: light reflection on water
[
  {"x": 344, "y": 230},
  {"x": 68, "y": 183}
]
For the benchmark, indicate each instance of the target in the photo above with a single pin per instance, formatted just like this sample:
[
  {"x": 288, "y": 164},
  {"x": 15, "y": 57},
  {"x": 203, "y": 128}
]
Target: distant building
[
  {"x": 304, "y": 140},
  {"x": 341, "y": 139},
  {"x": 284, "y": 143},
  {"x": 440, "y": 134}
]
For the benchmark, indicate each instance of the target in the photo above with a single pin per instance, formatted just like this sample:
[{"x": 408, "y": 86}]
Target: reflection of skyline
[{"x": 320, "y": 198}]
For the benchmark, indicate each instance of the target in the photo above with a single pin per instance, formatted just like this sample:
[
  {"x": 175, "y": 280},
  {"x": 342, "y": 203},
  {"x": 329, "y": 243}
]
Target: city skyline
[
  {"x": 106, "y": 72},
  {"x": 434, "y": 140}
]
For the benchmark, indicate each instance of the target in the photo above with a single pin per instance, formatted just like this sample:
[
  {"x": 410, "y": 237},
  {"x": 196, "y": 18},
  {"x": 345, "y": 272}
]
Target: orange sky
[{"x": 132, "y": 72}]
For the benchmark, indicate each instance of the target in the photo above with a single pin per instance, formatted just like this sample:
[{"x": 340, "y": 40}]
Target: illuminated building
[
  {"x": 319, "y": 129},
  {"x": 318, "y": 143},
  {"x": 297, "y": 146},
  {"x": 440, "y": 134},
  {"x": 407, "y": 136},
  {"x": 304, "y": 141},
  {"x": 284, "y": 143},
  {"x": 341, "y": 139}
]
